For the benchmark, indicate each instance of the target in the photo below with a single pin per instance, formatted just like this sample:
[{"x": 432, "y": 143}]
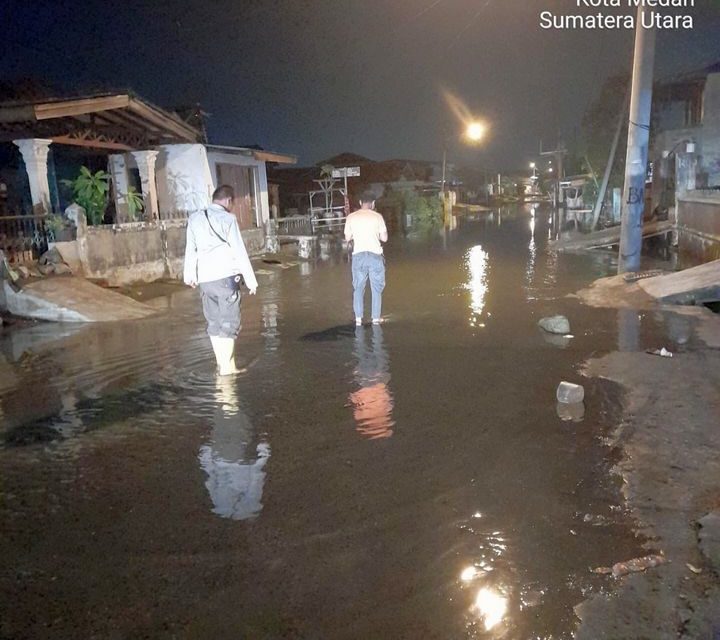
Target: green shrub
[
  {"x": 135, "y": 202},
  {"x": 90, "y": 191},
  {"x": 427, "y": 211}
]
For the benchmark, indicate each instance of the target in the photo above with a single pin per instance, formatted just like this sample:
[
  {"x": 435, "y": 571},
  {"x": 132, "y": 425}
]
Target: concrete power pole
[{"x": 637, "y": 147}]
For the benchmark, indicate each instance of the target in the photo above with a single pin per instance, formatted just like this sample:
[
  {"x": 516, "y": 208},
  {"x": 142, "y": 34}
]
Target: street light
[{"x": 474, "y": 132}]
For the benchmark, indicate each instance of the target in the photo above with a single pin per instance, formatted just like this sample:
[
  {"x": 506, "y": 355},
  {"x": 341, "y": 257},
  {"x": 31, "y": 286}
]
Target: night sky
[{"x": 318, "y": 77}]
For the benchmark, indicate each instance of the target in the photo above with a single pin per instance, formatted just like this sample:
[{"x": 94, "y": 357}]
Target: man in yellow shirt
[{"x": 366, "y": 229}]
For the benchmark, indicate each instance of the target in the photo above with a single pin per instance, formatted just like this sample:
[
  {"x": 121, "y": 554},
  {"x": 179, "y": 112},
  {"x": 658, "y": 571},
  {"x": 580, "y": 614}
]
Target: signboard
[{"x": 346, "y": 172}]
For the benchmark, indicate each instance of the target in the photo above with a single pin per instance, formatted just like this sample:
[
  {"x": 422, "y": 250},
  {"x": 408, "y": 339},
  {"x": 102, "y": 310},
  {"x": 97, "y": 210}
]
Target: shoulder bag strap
[{"x": 207, "y": 217}]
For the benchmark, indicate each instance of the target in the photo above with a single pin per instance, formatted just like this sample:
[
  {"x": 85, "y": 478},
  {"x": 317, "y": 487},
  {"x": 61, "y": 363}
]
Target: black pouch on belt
[{"x": 234, "y": 283}]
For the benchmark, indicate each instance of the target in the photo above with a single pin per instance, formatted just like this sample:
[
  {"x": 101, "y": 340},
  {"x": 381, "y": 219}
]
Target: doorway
[{"x": 242, "y": 180}]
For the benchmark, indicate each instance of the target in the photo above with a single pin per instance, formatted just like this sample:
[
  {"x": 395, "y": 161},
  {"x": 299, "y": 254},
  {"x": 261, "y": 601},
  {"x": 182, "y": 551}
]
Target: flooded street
[{"x": 410, "y": 480}]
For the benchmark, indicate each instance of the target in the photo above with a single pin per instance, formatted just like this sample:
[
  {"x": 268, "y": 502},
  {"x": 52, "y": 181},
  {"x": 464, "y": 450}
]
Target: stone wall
[
  {"x": 133, "y": 252},
  {"x": 136, "y": 251},
  {"x": 254, "y": 240},
  {"x": 698, "y": 225}
]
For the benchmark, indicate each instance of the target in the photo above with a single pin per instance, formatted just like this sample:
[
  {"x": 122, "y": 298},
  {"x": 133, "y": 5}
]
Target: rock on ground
[
  {"x": 51, "y": 256},
  {"x": 61, "y": 268},
  {"x": 555, "y": 324},
  {"x": 709, "y": 537}
]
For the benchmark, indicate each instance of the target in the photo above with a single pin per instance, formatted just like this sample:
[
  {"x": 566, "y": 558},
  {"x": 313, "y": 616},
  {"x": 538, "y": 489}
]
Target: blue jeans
[{"x": 368, "y": 265}]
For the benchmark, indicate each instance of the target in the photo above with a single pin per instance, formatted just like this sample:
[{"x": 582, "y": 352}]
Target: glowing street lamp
[{"x": 475, "y": 131}]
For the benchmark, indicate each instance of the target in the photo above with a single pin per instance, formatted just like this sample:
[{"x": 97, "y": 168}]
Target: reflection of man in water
[
  {"x": 372, "y": 403},
  {"x": 235, "y": 477}
]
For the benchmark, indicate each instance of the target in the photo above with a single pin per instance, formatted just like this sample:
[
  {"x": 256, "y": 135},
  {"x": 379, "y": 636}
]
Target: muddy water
[{"x": 405, "y": 481}]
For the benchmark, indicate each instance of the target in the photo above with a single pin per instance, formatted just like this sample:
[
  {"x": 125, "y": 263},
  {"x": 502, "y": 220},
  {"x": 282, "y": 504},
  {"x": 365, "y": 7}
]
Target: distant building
[
  {"x": 686, "y": 111},
  {"x": 380, "y": 177}
]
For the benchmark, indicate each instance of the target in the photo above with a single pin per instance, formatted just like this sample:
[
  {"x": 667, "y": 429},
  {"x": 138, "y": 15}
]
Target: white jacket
[{"x": 207, "y": 257}]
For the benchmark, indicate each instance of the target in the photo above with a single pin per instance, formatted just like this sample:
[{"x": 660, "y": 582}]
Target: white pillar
[
  {"x": 117, "y": 168},
  {"x": 261, "y": 194},
  {"x": 35, "y": 152},
  {"x": 146, "y": 166}
]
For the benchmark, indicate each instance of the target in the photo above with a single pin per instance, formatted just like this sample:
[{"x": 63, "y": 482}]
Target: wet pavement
[{"x": 411, "y": 480}]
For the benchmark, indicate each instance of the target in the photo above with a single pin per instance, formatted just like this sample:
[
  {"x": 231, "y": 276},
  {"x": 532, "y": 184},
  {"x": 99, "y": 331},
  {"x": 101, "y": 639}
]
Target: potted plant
[
  {"x": 58, "y": 228},
  {"x": 90, "y": 191}
]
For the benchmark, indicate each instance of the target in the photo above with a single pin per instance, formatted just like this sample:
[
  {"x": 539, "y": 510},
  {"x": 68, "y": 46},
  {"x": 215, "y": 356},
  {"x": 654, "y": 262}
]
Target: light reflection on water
[
  {"x": 491, "y": 606},
  {"x": 270, "y": 326},
  {"x": 476, "y": 265},
  {"x": 532, "y": 253},
  {"x": 486, "y": 577},
  {"x": 373, "y": 402}
]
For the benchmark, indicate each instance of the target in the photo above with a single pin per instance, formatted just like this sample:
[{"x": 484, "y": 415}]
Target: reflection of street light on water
[
  {"x": 477, "y": 262},
  {"x": 491, "y": 606}
]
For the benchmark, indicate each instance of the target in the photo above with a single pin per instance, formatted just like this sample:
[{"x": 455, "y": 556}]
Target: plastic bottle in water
[{"x": 569, "y": 393}]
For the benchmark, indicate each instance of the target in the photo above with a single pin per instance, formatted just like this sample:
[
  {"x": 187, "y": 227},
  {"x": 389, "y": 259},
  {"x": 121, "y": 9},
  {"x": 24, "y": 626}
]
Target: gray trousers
[{"x": 221, "y": 307}]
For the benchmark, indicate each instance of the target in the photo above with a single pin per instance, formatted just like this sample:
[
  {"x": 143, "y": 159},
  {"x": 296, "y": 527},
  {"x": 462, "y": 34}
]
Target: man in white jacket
[{"x": 214, "y": 255}]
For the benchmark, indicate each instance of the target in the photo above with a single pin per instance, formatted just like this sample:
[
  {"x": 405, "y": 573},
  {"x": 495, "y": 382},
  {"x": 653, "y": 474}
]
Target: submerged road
[{"x": 411, "y": 480}]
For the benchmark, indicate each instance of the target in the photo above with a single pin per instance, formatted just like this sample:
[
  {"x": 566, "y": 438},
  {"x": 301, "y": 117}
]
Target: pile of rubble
[{"x": 50, "y": 263}]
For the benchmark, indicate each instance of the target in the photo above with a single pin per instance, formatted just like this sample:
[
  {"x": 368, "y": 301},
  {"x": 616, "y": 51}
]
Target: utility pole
[
  {"x": 444, "y": 169},
  {"x": 637, "y": 147},
  {"x": 611, "y": 161},
  {"x": 559, "y": 155}
]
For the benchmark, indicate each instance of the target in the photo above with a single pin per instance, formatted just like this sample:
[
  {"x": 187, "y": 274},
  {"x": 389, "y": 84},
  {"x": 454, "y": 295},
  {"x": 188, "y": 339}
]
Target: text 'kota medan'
[{"x": 663, "y": 4}]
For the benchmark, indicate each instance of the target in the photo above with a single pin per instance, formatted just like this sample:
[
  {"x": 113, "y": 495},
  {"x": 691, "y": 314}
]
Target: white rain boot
[{"x": 224, "y": 354}]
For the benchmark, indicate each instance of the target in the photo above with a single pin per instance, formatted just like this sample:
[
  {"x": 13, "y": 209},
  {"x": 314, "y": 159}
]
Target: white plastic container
[{"x": 569, "y": 393}]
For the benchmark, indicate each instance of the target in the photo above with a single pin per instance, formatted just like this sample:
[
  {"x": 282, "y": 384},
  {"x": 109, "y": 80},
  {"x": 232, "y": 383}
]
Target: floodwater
[{"x": 411, "y": 480}]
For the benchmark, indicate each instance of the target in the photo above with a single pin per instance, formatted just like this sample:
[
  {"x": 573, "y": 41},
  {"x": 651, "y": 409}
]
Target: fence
[
  {"x": 330, "y": 223},
  {"x": 24, "y": 239},
  {"x": 295, "y": 226}
]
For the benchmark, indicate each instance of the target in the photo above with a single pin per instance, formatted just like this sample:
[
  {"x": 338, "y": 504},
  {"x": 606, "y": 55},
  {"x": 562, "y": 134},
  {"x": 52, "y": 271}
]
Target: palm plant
[{"x": 135, "y": 202}]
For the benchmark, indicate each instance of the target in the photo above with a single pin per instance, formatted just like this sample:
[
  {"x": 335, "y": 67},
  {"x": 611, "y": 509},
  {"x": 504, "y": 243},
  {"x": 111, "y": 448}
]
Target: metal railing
[
  {"x": 295, "y": 226},
  {"x": 24, "y": 239},
  {"x": 333, "y": 223}
]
